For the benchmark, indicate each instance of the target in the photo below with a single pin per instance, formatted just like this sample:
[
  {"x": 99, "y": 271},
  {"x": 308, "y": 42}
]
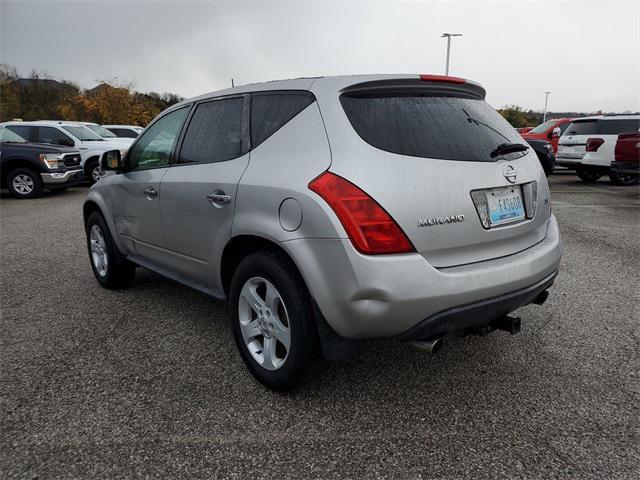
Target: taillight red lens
[
  {"x": 441, "y": 78},
  {"x": 369, "y": 227},
  {"x": 593, "y": 144}
]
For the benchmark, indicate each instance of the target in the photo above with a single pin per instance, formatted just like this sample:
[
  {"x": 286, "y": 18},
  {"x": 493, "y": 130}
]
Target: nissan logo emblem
[{"x": 510, "y": 173}]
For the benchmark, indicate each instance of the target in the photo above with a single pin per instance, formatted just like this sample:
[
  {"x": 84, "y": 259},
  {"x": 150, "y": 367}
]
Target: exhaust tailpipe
[{"x": 429, "y": 346}]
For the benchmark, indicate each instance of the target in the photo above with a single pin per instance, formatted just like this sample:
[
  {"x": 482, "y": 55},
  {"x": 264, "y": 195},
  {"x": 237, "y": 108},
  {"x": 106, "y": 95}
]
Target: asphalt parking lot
[{"x": 147, "y": 382}]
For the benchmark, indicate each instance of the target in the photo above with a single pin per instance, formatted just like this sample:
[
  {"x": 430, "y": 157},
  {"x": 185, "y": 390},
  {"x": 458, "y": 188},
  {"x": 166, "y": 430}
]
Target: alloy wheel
[
  {"x": 264, "y": 323},
  {"x": 98, "y": 251},
  {"x": 23, "y": 184}
]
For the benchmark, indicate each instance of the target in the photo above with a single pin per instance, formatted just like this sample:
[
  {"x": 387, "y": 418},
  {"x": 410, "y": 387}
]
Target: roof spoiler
[{"x": 440, "y": 84}]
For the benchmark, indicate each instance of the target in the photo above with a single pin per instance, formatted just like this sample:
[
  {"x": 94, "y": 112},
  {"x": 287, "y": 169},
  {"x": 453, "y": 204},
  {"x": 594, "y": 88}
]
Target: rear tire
[
  {"x": 24, "y": 183},
  {"x": 272, "y": 320},
  {"x": 624, "y": 179},
  {"x": 109, "y": 266},
  {"x": 589, "y": 175}
]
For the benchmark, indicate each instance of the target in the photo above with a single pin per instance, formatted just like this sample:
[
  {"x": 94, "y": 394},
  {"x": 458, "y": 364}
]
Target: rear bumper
[
  {"x": 389, "y": 295},
  {"x": 626, "y": 167},
  {"x": 62, "y": 179},
  {"x": 476, "y": 316}
]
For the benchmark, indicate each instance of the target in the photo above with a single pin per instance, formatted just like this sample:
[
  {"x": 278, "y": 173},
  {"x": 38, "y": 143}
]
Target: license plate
[{"x": 505, "y": 205}]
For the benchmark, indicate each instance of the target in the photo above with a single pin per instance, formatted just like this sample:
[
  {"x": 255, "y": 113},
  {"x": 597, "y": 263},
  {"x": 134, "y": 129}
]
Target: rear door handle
[
  {"x": 150, "y": 192},
  {"x": 219, "y": 198}
]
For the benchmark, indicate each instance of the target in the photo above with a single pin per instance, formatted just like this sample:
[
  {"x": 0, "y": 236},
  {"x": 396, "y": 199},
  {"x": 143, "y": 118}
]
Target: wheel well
[
  {"x": 240, "y": 247},
  {"x": 14, "y": 163},
  {"x": 88, "y": 208},
  {"x": 89, "y": 161}
]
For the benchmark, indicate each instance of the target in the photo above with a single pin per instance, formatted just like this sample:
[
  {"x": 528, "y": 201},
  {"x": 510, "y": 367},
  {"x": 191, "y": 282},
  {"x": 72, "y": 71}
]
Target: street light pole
[
  {"x": 546, "y": 99},
  {"x": 449, "y": 35}
]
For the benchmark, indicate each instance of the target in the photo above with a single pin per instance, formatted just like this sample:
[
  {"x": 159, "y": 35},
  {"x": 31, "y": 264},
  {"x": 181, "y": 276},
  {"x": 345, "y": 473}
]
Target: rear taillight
[
  {"x": 593, "y": 144},
  {"x": 441, "y": 78},
  {"x": 369, "y": 227}
]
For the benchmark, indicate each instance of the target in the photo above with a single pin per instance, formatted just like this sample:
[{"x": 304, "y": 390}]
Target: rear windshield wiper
[{"x": 505, "y": 148}]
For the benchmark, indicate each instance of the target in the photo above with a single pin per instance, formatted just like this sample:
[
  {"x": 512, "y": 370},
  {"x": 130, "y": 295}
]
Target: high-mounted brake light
[
  {"x": 441, "y": 78},
  {"x": 593, "y": 144},
  {"x": 369, "y": 227}
]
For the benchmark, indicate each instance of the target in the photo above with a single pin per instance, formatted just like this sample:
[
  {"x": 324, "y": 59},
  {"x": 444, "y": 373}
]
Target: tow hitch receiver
[{"x": 508, "y": 323}]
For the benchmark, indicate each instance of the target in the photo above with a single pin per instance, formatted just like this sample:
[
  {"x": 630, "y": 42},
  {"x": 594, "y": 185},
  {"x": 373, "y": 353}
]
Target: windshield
[
  {"x": 543, "y": 127},
  {"x": 103, "y": 132},
  {"x": 82, "y": 133},
  {"x": 425, "y": 125},
  {"x": 7, "y": 136}
]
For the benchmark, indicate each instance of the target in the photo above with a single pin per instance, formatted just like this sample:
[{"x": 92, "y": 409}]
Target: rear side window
[
  {"x": 270, "y": 111},
  {"x": 214, "y": 133},
  {"x": 123, "y": 132},
  {"x": 423, "y": 125},
  {"x": 23, "y": 131},
  {"x": 585, "y": 127},
  {"x": 616, "y": 127}
]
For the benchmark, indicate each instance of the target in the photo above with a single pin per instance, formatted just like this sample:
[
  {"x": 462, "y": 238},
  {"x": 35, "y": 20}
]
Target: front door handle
[
  {"x": 150, "y": 192},
  {"x": 219, "y": 198}
]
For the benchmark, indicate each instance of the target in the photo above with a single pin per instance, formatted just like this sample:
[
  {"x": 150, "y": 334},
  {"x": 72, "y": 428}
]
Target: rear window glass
[
  {"x": 586, "y": 127},
  {"x": 616, "y": 127},
  {"x": 423, "y": 125},
  {"x": 270, "y": 111}
]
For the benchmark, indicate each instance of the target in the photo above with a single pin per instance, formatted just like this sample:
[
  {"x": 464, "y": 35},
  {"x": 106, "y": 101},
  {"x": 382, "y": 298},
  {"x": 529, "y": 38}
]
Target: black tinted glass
[
  {"x": 616, "y": 127},
  {"x": 123, "y": 132},
  {"x": 583, "y": 128},
  {"x": 21, "y": 130},
  {"x": 270, "y": 111},
  {"x": 53, "y": 136},
  {"x": 214, "y": 133},
  {"x": 422, "y": 125}
]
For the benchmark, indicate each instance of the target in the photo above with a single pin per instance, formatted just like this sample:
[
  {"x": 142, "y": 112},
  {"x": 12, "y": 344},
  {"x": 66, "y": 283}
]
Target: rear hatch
[
  {"x": 426, "y": 152},
  {"x": 573, "y": 144}
]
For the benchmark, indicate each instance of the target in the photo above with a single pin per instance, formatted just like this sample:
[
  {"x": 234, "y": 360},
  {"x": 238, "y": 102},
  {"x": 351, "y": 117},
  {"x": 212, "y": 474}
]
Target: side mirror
[
  {"x": 555, "y": 132},
  {"x": 66, "y": 142},
  {"x": 111, "y": 160}
]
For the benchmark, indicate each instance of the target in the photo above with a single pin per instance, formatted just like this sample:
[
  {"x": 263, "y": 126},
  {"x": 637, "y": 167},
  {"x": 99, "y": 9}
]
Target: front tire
[
  {"x": 624, "y": 179},
  {"x": 589, "y": 175},
  {"x": 24, "y": 183},
  {"x": 93, "y": 172},
  {"x": 109, "y": 266},
  {"x": 272, "y": 320}
]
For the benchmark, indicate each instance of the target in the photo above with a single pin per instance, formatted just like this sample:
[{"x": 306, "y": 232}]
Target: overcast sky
[{"x": 586, "y": 53}]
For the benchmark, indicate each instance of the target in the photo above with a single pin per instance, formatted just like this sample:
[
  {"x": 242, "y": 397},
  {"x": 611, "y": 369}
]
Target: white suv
[
  {"x": 588, "y": 145},
  {"x": 69, "y": 134}
]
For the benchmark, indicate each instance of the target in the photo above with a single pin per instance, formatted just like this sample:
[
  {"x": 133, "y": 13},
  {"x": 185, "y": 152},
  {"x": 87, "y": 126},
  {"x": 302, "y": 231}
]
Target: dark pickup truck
[{"x": 26, "y": 168}]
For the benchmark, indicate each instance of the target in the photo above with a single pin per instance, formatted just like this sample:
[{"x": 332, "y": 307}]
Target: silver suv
[{"x": 331, "y": 210}]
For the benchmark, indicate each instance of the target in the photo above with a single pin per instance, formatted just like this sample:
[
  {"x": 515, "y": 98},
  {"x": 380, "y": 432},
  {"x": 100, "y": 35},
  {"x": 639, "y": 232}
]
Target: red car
[
  {"x": 627, "y": 154},
  {"x": 547, "y": 131}
]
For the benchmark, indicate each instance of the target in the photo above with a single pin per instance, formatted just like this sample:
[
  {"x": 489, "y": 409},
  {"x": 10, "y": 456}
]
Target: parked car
[
  {"x": 627, "y": 155},
  {"x": 331, "y": 210},
  {"x": 544, "y": 151},
  {"x": 106, "y": 134},
  {"x": 26, "y": 168},
  {"x": 551, "y": 131},
  {"x": 68, "y": 134},
  {"x": 124, "y": 131},
  {"x": 588, "y": 146}
]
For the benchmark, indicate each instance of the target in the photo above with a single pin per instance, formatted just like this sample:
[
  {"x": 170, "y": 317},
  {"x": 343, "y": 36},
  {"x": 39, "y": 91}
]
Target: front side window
[
  {"x": 53, "y": 136},
  {"x": 153, "y": 149},
  {"x": 429, "y": 125},
  {"x": 270, "y": 111},
  {"x": 214, "y": 133}
]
